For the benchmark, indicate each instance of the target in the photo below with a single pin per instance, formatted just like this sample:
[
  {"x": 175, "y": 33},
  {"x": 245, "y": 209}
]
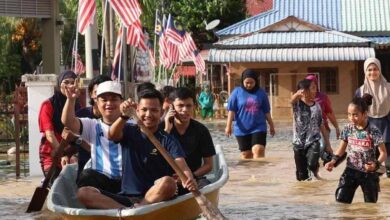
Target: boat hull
[
  {"x": 182, "y": 207},
  {"x": 188, "y": 209}
]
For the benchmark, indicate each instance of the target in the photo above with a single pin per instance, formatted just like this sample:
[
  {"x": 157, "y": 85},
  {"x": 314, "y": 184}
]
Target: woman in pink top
[{"x": 326, "y": 107}]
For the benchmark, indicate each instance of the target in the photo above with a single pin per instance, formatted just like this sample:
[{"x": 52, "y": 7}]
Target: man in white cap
[{"x": 106, "y": 156}]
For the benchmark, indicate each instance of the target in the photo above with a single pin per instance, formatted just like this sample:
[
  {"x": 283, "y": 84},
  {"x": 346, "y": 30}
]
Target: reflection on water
[{"x": 266, "y": 188}]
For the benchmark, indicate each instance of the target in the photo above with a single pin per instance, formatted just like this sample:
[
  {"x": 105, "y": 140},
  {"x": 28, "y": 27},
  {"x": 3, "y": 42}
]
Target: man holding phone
[{"x": 193, "y": 136}]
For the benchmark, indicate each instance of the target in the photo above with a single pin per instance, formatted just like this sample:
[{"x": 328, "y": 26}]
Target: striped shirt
[{"x": 106, "y": 156}]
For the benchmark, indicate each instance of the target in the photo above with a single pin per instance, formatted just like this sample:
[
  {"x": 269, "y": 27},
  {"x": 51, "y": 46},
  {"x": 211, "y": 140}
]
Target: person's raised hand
[
  {"x": 128, "y": 107},
  {"x": 169, "y": 118},
  {"x": 72, "y": 91}
]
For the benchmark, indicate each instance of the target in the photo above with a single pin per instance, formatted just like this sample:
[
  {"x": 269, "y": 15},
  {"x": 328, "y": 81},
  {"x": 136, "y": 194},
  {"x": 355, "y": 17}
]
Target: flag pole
[
  {"x": 73, "y": 48},
  {"x": 159, "y": 72},
  {"x": 120, "y": 55},
  {"x": 103, "y": 34},
  {"x": 155, "y": 44},
  {"x": 133, "y": 57},
  {"x": 77, "y": 37},
  {"x": 173, "y": 72}
]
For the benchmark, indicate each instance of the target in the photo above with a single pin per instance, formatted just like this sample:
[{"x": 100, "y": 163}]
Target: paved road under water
[{"x": 261, "y": 189}]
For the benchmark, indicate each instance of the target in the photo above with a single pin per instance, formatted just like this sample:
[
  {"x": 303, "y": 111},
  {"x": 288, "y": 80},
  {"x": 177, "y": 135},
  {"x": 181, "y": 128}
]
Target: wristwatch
[
  {"x": 124, "y": 117},
  {"x": 78, "y": 141}
]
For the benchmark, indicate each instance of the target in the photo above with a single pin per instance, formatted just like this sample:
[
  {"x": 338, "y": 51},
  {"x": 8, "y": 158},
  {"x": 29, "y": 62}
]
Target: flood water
[{"x": 261, "y": 189}]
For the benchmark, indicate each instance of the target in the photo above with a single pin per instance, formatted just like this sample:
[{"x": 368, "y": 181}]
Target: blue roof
[
  {"x": 340, "y": 15},
  {"x": 292, "y": 39}
]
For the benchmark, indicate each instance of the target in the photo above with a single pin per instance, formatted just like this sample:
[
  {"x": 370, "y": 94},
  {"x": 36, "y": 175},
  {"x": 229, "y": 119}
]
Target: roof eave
[{"x": 270, "y": 46}]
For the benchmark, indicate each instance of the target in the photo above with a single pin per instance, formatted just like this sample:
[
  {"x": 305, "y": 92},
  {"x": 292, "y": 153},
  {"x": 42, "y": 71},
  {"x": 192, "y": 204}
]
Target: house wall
[{"x": 289, "y": 73}]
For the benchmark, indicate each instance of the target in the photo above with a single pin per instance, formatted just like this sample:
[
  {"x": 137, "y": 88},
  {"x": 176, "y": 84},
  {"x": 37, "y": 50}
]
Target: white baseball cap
[{"x": 109, "y": 87}]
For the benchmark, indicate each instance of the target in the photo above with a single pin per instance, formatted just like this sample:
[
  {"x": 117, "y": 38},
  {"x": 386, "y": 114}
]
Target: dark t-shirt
[
  {"x": 86, "y": 112},
  {"x": 142, "y": 162},
  {"x": 307, "y": 123},
  {"x": 196, "y": 143},
  {"x": 362, "y": 145}
]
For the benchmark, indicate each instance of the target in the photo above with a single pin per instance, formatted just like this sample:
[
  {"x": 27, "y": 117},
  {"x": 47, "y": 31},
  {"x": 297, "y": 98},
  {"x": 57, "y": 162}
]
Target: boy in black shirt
[{"x": 193, "y": 136}]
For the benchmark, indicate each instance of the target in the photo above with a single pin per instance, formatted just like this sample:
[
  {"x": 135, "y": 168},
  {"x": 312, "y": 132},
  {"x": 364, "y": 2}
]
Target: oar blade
[
  {"x": 37, "y": 200},
  {"x": 209, "y": 211}
]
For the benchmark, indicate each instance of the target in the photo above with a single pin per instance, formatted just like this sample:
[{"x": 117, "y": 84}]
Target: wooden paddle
[
  {"x": 208, "y": 209},
  {"x": 41, "y": 192}
]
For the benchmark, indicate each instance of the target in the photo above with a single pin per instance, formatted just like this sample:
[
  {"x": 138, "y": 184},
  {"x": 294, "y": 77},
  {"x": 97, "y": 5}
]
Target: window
[
  {"x": 329, "y": 78},
  {"x": 265, "y": 78}
]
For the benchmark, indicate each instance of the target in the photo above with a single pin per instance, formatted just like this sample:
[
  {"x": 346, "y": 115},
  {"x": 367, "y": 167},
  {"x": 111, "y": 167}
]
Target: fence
[{"x": 14, "y": 127}]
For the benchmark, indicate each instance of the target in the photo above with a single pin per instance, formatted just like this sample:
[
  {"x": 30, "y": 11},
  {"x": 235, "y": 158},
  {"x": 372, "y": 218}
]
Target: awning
[
  {"x": 291, "y": 54},
  {"x": 380, "y": 40}
]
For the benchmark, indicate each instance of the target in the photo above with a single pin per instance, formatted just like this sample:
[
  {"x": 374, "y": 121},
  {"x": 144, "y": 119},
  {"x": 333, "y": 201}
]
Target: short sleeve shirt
[
  {"x": 106, "y": 155},
  {"x": 46, "y": 124},
  {"x": 362, "y": 145},
  {"x": 307, "y": 123},
  {"x": 196, "y": 143},
  {"x": 249, "y": 111},
  {"x": 142, "y": 162},
  {"x": 323, "y": 100}
]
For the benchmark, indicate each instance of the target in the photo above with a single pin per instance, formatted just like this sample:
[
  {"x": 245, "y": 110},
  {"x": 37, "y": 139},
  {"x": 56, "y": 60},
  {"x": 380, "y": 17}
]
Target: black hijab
[
  {"x": 58, "y": 101},
  {"x": 248, "y": 73}
]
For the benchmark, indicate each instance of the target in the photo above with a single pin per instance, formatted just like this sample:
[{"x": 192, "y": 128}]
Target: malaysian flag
[
  {"x": 79, "y": 67},
  {"x": 152, "y": 59},
  {"x": 174, "y": 31},
  {"x": 128, "y": 10},
  {"x": 173, "y": 54},
  {"x": 118, "y": 50},
  {"x": 187, "y": 47},
  {"x": 199, "y": 62},
  {"x": 163, "y": 50},
  {"x": 87, "y": 10},
  {"x": 135, "y": 35}
]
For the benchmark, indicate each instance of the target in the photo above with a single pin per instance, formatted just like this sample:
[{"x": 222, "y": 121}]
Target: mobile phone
[{"x": 172, "y": 118}]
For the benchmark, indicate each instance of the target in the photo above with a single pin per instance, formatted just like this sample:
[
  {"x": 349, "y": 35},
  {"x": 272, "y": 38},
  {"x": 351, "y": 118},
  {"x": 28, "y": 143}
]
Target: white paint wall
[{"x": 39, "y": 88}]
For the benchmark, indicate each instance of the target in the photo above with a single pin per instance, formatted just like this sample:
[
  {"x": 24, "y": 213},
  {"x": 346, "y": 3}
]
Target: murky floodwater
[{"x": 263, "y": 189}]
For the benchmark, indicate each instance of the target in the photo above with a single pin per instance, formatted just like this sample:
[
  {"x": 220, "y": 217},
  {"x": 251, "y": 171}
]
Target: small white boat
[{"x": 62, "y": 198}]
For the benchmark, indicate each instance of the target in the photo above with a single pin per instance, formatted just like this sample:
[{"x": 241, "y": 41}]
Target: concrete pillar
[
  {"x": 51, "y": 41},
  {"x": 39, "y": 88},
  {"x": 91, "y": 51}
]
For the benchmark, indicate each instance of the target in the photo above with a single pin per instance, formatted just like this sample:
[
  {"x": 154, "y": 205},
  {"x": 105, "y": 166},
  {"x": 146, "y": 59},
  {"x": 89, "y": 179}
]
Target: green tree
[
  {"x": 68, "y": 9},
  {"x": 193, "y": 15},
  {"x": 27, "y": 38},
  {"x": 9, "y": 60}
]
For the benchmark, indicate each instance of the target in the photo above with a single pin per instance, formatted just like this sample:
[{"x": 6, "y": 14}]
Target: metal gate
[{"x": 14, "y": 133}]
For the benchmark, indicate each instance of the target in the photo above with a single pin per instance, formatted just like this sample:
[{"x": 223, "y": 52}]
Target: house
[{"x": 330, "y": 38}]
